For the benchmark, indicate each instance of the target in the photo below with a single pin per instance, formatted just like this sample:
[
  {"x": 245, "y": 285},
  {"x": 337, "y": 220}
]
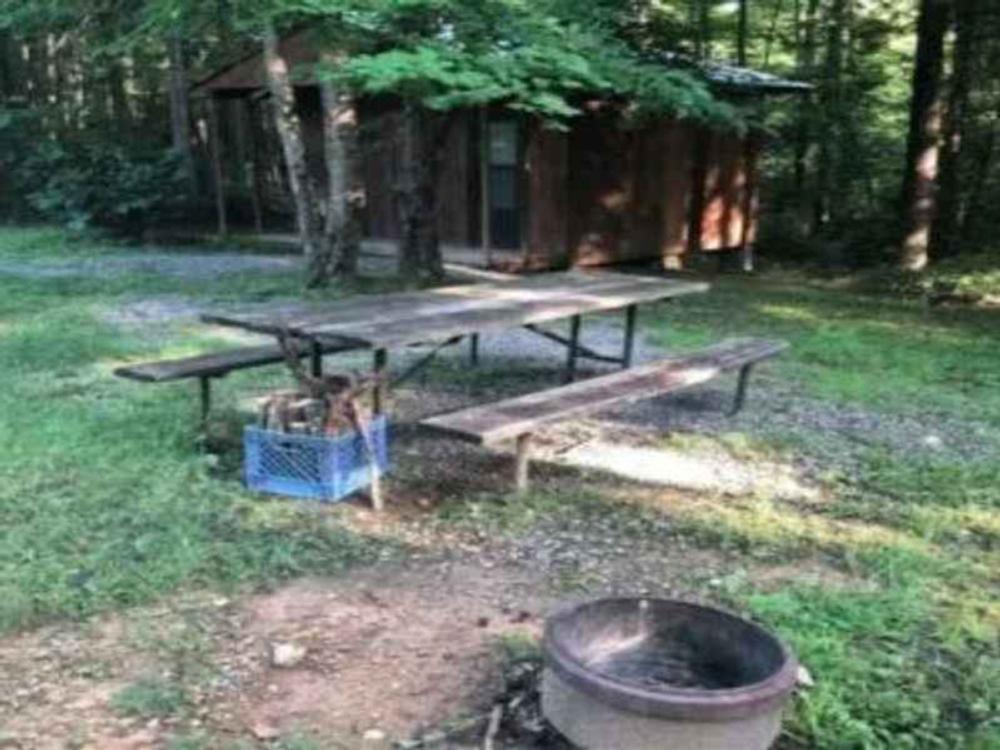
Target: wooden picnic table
[{"x": 447, "y": 314}]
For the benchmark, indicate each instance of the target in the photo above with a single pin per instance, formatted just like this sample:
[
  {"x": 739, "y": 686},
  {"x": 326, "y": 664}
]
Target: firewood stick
[{"x": 493, "y": 727}]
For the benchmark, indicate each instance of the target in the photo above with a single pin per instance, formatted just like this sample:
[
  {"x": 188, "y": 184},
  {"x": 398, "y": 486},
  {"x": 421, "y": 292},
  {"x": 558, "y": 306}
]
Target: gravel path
[
  {"x": 838, "y": 435},
  {"x": 195, "y": 266}
]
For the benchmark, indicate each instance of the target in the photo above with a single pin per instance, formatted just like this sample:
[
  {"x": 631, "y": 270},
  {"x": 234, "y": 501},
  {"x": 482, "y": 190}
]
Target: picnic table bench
[
  {"x": 519, "y": 418},
  {"x": 206, "y": 367}
]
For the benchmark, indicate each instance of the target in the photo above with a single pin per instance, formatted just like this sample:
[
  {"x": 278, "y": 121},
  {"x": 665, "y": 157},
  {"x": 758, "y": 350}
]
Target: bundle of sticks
[
  {"x": 319, "y": 405},
  {"x": 322, "y": 405}
]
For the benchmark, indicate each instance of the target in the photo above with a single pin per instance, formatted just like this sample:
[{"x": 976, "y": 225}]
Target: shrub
[
  {"x": 89, "y": 179},
  {"x": 97, "y": 183}
]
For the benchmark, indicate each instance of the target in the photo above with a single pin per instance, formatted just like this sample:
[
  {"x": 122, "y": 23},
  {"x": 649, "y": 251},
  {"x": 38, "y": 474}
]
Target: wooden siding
[
  {"x": 547, "y": 164},
  {"x": 381, "y": 157},
  {"x": 728, "y": 218},
  {"x": 630, "y": 191}
]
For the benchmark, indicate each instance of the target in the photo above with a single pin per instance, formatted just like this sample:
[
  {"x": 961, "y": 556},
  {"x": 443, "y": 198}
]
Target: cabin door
[{"x": 503, "y": 167}]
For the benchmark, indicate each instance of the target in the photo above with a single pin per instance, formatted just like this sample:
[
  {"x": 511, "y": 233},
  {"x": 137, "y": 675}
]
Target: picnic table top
[{"x": 385, "y": 320}]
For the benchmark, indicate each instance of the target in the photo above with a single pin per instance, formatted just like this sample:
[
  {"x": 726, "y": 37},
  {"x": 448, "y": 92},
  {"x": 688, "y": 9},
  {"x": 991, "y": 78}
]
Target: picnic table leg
[
  {"x": 316, "y": 358},
  {"x": 378, "y": 394},
  {"x": 205, "y": 391},
  {"x": 631, "y": 313},
  {"x": 523, "y": 462},
  {"x": 741, "y": 390},
  {"x": 574, "y": 343},
  {"x": 474, "y": 349}
]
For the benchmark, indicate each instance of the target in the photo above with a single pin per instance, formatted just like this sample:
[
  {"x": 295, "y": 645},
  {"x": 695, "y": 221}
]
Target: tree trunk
[
  {"x": 180, "y": 115},
  {"x": 923, "y": 144},
  {"x": 947, "y": 229},
  {"x": 830, "y": 105},
  {"x": 741, "y": 32},
  {"x": 345, "y": 191},
  {"x": 421, "y": 136},
  {"x": 704, "y": 47},
  {"x": 286, "y": 122},
  {"x": 804, "y": 146}
]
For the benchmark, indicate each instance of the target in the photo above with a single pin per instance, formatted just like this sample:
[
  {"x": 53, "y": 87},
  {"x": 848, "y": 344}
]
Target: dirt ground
[
  {"x": 382, "y": 653},
  {"x": 387, "y": 651}
]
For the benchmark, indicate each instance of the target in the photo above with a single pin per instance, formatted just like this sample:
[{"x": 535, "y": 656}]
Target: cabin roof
[{"x": 736, "y": 78}]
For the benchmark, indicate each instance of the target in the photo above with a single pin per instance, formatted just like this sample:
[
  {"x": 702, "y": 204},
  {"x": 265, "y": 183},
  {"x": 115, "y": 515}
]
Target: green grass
[
  {"x": 904, "y": 649},
  {"x": 104, "y": 499},
  {"x": 105, "y": 502},
  {"x": 152, "y": 697}
]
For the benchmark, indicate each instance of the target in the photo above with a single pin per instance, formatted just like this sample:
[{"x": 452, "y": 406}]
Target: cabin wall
[
  {"x": 729, "y": 214},
  {"x": 630, "y": 191},
  {"x": 379, "y": 125},
  {"x": 634, "y": 195},
  {"x": 547, "y": 168}
]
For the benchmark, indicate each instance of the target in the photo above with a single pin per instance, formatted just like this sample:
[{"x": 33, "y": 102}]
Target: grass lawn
[{"x": 105, "y": 503}]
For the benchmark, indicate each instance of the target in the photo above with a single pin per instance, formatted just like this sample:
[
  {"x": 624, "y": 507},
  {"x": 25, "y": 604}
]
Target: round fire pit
[{"x": 645, "y": 674}]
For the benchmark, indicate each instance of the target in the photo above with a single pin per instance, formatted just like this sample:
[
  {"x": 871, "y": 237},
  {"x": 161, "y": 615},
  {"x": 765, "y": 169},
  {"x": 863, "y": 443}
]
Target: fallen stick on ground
[{"x": 493, "y": 727}]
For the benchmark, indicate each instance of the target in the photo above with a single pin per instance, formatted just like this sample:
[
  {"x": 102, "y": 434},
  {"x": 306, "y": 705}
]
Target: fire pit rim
[{"x": 690, "y": 704}]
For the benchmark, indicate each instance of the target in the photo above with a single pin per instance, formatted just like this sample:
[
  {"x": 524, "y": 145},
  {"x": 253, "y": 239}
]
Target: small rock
[
  {"x": 803, "y": 678},
  {"x": 265, "y": 731},
  {"x": 287, "y": 654}
]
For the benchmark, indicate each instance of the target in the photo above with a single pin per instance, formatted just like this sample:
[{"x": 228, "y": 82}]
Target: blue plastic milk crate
[{"x": 312, "y": 466}]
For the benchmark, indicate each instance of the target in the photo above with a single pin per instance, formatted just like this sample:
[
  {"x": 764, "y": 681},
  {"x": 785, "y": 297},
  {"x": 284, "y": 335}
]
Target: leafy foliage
[
  {"x": 99, "y": 183},
  {"x": 531, "y": 57}
]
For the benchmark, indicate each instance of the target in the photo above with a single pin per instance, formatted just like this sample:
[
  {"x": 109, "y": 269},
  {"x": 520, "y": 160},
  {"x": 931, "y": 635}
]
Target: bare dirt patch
[{"x": 388, "y": 648}]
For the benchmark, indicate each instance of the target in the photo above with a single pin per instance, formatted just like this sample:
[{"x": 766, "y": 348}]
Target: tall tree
[
  {"x": 289, "y": 127},
  {"x": 180, "y": 115},
  {"x": 345, "y": 190},
  {"x": 924, "y": 138},
  {"x": 830, "y": 103},
  {"x": 742, "y": 31},
  {"x": 945, "y": 235}
]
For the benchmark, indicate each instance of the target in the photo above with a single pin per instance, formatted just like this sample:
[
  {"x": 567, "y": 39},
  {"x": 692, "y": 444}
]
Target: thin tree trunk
[
  {"x": 421, "y": 136},
  {"x": 218, "y": 177},
  {"x": 947, "y": 228},
  {"x": 700, "y": 21},
  {"x": 180, "y": 114},
  {"x": 924, "y": 142},
  {"x": 286, "y": 122},
  {"x": 772, "y": 30},
  {"x": 741, "y": 32},
  {"x": 345, "y": 193},
  {"x": 830, "y": 105},
  {"x": 804, "y": 145}
]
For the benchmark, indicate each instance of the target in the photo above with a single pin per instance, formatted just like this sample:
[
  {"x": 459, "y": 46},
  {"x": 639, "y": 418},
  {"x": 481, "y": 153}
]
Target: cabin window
[{"x": 503, "y": 166}]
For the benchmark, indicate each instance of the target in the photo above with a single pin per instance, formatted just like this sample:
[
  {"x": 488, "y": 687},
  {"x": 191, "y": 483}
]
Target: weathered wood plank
[
  {"x": 297, "y": 317},
  {"x": 214, "y": 364},
  {"x": 448, "y": 311},
  {"x": 427, "y": 325},
  {"x": 522, "y": 415}
]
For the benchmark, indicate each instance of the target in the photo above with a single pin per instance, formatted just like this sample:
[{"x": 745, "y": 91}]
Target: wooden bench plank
[
  {"x": 214, "y": 364},
  {"x": 522, "y": 415}
]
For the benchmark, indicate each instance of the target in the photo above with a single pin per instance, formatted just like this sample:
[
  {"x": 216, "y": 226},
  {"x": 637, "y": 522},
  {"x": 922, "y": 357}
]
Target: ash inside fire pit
[
  {"x": 660, "y": 644},
  {"x": 660, "y": 661}
]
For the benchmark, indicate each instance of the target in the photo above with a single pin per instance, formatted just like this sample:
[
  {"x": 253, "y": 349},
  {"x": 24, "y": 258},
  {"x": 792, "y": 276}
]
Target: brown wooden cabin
[{"x": 524, "y": 195}]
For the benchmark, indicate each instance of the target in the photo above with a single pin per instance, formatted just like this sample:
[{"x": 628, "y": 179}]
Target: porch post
[
  {"x": 484, "y": 184},
  {"x": 630, "y": 316},
  {"x": 217, "y": 174},
  {"x": 574, "y": 350}
]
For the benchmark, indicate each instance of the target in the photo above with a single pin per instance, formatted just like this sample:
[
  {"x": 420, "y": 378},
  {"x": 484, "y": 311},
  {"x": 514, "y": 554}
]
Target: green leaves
[{"x": 539, "y": 58}]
